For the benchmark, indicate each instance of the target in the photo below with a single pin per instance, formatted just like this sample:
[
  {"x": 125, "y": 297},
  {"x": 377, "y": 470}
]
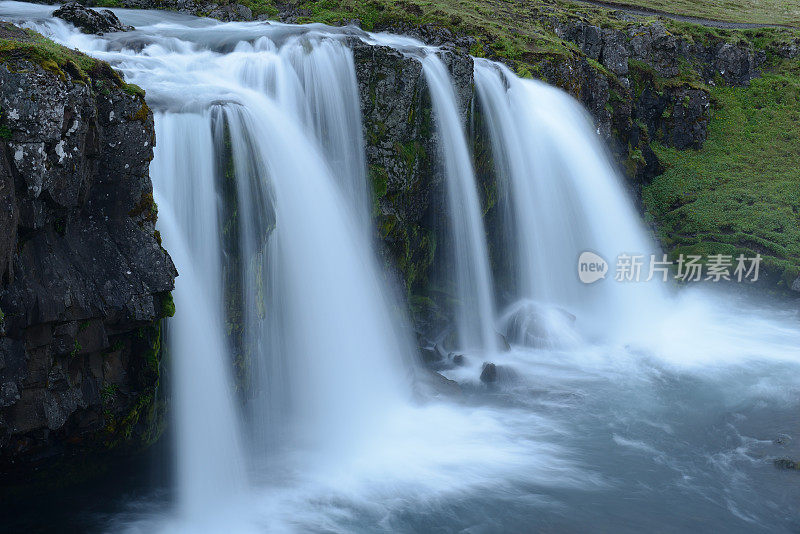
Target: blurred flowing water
[{"x": 618, "y": 408}]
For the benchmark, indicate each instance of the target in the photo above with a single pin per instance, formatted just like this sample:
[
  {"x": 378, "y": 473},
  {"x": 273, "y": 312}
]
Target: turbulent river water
[{"x": 642, "y": 409}]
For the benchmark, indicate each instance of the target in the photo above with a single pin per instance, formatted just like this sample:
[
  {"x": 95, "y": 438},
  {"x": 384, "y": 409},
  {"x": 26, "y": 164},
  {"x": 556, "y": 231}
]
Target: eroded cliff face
[{"x": 84, "y": 277}]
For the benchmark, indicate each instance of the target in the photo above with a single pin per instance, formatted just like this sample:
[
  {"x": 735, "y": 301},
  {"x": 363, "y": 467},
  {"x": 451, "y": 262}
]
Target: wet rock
[
  {"x": 489, "y": 373},
  {"x": 535, "y": 325},
  {"x": 433, "y": 354},
  {"x": 401, "y": 150},
  {"x": 458, "y": 359},
  {"x": 796, "y": 284},
  {"x": 434, "y": 35},
  {"x": 89, "y": 20},
  {"x": 83, "y": 276},
  {"x": 9, "y": 394},
  {"x": 432, "y": 384},
  {"x": 786, "y": 463},
  {"x": 502, "y": 342}
]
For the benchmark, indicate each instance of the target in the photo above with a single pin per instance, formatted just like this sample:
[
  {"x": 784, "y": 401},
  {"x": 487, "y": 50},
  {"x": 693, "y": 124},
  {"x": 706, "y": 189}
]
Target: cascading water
[
  {"x": 323, "y": 291},
  {"x": 330, "y": 296},
  {"x": 561, "y": 205},
  {"x": 210, "y": 463},
  {"x": 473, "y": 280},
  {"x": 262, "y": 194}
]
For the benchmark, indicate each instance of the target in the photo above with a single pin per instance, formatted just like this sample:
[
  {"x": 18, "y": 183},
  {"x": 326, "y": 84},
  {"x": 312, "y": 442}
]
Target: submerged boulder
[
  {"x": 489, "y": 373},
  {"x": 89, "y": 20},
  {"x": 787, "y": 464},
  {"x": 536, "y": 325}
]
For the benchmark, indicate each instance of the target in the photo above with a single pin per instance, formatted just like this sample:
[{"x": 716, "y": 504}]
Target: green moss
[
  {"x": 146, "y": 208},
  {"x": 133, "y": 89},
  {"x": 167, "y": 305},
  {"x": 143, "y": 113},
  {"x": 142, "y": 423},
  {"x": 17, "y": 44},
  {"x": 379, "y": 178},
  {"x": 76, "y": 348},
  {"x": 410, "y": 153},
  {"x": 5, "y": 131}
]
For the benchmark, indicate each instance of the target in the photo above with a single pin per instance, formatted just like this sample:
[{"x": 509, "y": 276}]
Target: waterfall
[
  {"x": 210, "y": 461},
  {"x": 473, "y": 280},
  {"x": 563, "y": 197},
  {"x": 330, "y": 426},
  {"x": 326, "y": 296},
  {"x": 264, "y": 170},
  {"x": 312, "y": 284}
]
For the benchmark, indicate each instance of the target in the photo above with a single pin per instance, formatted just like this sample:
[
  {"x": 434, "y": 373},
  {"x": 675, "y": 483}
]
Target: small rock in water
[
  {"x": 489, "y": 373},
  {"x": 783, "y": 439},
  {"x": 89, "y": 20},
  {"x": 786, "y": 463}
]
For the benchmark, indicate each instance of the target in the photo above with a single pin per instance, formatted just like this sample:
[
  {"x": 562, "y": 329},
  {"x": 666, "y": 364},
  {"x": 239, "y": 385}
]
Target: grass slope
[
  {"x": 747, "y": 11},
  {"x": 741, "y": 192}
]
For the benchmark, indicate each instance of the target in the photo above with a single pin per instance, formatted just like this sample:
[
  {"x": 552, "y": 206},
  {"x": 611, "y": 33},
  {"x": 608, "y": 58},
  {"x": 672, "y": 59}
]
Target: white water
[
  {"x": 563, "y": 198},
  {"x": 210, "y": 464},
  {"x": 470, "y": 261},
  {"x": 675, "y": 414}
]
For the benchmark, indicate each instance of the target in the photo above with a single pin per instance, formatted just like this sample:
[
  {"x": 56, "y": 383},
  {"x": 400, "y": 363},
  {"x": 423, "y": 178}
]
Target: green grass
[
  {"x": 509, "y": 29},
  {"x": 752, "y": 11},
  {"x": 741, "y": 192},
  {"x": 17, "y": 44}
]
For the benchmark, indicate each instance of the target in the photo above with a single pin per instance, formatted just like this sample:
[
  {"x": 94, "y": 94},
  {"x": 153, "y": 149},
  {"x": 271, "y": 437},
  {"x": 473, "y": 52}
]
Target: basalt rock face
[
  {"x": 84, "y": 279},
  {"x": 647, "y": 94}
]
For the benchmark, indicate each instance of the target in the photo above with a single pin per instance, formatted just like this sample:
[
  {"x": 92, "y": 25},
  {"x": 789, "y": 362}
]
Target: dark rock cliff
[
  {"x": 84, "y": 278},
  {"x": 402, "y": 149}
]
